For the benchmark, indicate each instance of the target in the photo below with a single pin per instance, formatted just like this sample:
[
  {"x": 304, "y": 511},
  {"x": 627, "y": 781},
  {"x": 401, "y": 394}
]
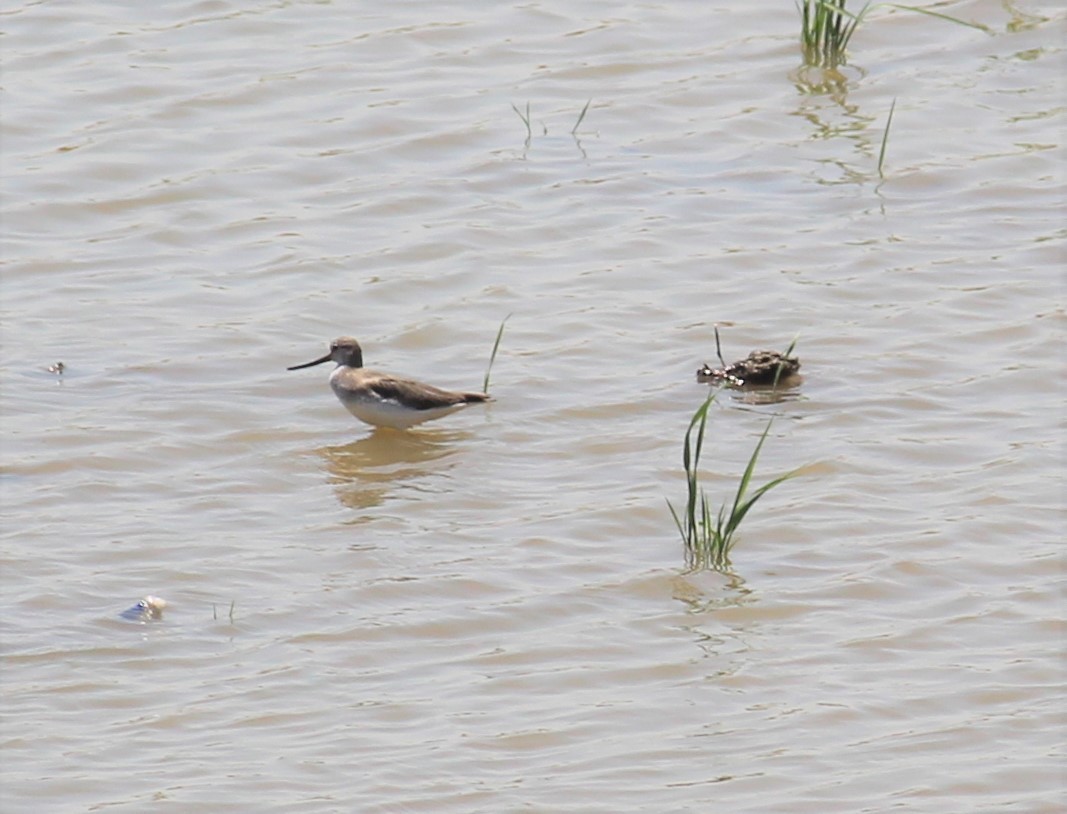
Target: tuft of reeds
[
  {"x": 826, "y": 28},
  {"x": 492, "y": 356},
  {"x": 709, "y": 537}
]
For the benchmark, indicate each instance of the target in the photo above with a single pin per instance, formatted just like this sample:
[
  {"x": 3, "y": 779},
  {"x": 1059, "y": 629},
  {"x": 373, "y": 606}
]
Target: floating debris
[
  {"x": 761, "y": 367},
  {"x": 149, "y": 609},
  {"x": 57, "y": 368}
]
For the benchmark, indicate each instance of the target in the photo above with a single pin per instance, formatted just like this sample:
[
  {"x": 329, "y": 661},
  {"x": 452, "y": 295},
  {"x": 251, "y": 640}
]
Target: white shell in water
[{"x": 148, "y": 609}]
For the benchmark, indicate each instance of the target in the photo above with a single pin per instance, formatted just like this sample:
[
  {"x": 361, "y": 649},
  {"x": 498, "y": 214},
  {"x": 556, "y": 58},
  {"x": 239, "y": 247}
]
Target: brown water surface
[{"x": 492, "y": 614}]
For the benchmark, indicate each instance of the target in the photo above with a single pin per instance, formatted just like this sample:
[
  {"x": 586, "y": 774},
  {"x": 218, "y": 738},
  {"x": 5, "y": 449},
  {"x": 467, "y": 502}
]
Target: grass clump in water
[
  {"x": 709, "y": 537},
  {"x": 826, "y": 28}
]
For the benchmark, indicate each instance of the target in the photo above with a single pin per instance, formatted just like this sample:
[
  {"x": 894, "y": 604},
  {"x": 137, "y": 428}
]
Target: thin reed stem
[
  {"x": 581, "y": 116},
  {"x": 492, "y": 356},
  {"x": 885, "y": 139},
  {"x": 525, "y": 120}
]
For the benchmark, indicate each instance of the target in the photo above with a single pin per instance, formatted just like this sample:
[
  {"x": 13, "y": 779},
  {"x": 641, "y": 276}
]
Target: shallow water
[{"x": 492, "y": 613}]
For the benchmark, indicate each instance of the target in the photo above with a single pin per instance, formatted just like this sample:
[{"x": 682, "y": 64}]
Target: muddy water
[{"x": 492, "y": 614}]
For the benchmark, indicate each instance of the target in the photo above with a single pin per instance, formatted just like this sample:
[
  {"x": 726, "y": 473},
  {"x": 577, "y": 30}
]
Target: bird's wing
[{"x": 418, "y": 395}]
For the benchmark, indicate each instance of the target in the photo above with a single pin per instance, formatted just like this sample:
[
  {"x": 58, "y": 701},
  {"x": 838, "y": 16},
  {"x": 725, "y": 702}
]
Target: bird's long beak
[{"x": 325, "y": 358}]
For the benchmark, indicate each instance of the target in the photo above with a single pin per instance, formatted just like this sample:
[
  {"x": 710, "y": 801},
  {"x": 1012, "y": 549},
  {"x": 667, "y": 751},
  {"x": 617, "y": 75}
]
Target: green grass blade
[
  {"x": 708, "y": 537},
  {"x": 950, "y": 19},
  {"x": 678, "y": 523},
  {"x": 703, "y": 414},
  {"x": 690, "y": 483},
  {"x": 845, "y": 35},
  {"x": 739, "y": 513},
  {"x": 885, "y": 138},
  {"x": 778, "y": 370},
  {"x": 718, "y": 347},
  {"x": 745, "y": 478},
  {"x": 691, "y": 509},
  {"x": 840, "y": 12},
  {"x": 687, "y": 447},
  {"x": 525, "y": 119},
  {"x": 690, "y": 462},
  {"x": 492, "y": 356},
  {"x": 581, "y": 116}
]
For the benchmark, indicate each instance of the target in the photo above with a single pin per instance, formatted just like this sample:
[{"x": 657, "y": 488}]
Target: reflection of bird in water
[
  {"x": 761, "y": 367},
  {"x": 383, "y": 400},
  {"x": 367, "y": 471}
]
